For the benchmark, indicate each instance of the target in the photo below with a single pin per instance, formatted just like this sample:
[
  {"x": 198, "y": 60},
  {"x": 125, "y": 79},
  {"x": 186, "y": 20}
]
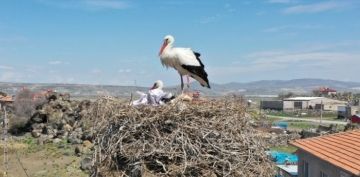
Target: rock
[
  {"x": 37, "y": 126},
  {"x": 87, "y": 144},
  {"x": 38, "y": 117},
  {"x": 45, "y": 138},
  {"x": 85, "y": 148},
  {"x": 40, "y": 141},
  {"x": 51, "y": 136},
  {"x": 36, "y": 133},
  {"x": 67, "y": 128},
  {"x": 78, "y": 150},
  {"x": 55, "y": 116},
  {"x": 88, "y": 135},
  {"x": 65, "y": 97},
  {"x": 86, "y": 164},
  {"x": 78, "y": 129},
  {"x": 52, "y": 96},
  {"x": 57, "y": 140},
  {"x": 84, "y": 105},
  {"x": 74, "y": 140},
  {"x": 49, "y": 130}
]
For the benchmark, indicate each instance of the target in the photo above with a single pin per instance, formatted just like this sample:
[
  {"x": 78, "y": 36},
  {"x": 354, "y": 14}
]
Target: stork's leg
[
  {"x": 182, "y": 83},
  {"x": 188, "y": 81}
]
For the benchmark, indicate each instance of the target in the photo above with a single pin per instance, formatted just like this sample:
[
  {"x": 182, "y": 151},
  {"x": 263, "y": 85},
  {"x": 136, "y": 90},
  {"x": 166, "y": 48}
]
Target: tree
[
  {"x": 316, "y": 92},
  {"x": 286, "y": 95},
  {"x": 23, "y": 103}
]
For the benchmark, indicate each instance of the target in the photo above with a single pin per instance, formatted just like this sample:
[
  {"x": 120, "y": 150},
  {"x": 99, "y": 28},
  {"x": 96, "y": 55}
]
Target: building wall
[
  {"x": 316, "y": 165},
  {"x": 290, "y": 105},
  {"x": 273, "y": 105},
  {"x": 285, "y": 174},
  {"x": 328, "y": 104},
  {"x": 355, "y": 110}
]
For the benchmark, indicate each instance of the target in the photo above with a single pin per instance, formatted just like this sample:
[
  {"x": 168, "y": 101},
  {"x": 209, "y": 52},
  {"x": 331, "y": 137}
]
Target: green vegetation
[
  {"x": 300, "y": 125},
  {"x": 326, "y": 115},
  {"x": 31, "y": 144},
  {"x": 43, "y": 159},
  {"x": 288, "y": 149}
]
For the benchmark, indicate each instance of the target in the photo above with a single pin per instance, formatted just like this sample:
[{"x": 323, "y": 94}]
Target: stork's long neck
[{"x": 167, "y": 50}]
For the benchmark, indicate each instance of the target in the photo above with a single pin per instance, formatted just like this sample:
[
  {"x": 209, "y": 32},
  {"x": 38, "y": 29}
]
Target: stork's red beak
[{"x": 163, "y": 47}]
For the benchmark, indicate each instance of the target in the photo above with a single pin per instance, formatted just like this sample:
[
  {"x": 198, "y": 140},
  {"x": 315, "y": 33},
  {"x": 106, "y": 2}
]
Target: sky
[{"x": 116, "y": 42}]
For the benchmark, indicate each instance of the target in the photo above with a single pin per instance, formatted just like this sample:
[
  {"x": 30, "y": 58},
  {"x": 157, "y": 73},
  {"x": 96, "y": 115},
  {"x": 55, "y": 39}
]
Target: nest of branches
[{"x": 182, "y": 139}]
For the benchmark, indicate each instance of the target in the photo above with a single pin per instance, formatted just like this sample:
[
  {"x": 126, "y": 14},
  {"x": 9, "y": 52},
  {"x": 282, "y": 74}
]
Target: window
[
  {"x": 298, "y": 104},
  {"x": 306, "y": 169},
  {"x": 322, "y": 174}
]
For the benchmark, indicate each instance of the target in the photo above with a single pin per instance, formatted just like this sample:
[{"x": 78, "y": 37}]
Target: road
[{"x": 310, "y": 120}]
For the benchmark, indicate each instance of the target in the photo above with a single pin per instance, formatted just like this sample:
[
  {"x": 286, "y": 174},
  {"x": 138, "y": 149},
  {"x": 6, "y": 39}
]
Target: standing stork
[{"x": 184, "y": 60}]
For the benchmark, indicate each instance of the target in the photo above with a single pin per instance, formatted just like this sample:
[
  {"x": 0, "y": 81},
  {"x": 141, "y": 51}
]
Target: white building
[{"x": 298, "y": 103}]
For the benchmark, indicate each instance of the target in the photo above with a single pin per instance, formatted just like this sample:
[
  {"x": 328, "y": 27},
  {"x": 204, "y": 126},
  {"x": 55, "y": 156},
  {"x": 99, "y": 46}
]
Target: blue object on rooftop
[{"x": 282, "y": 157}]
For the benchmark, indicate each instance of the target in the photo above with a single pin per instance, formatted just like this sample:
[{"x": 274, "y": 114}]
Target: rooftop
[
  {"x": 340, "y": 149},
  {"x": 327, "y": 90},
  {"x": 302, "y": 98},
  {"x": 291, "y": 169},
  {"x": 6, "y": 99}
]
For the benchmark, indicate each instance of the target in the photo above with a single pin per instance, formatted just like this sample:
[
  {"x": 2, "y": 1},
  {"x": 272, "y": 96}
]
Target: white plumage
[{"x": 184, "y": 60}]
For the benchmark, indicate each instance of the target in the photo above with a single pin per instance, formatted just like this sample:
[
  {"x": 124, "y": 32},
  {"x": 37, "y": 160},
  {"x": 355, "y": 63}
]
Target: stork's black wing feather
[
  {"x": 198, "y": 71},
  {"x": 197, "y": 55}
]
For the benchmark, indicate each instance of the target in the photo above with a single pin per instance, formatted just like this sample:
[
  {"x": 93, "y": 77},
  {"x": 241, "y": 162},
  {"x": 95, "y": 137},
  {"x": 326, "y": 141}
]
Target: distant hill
[
  {"x": 264, "y": 87},
  {"x": 270, "y": 87}
]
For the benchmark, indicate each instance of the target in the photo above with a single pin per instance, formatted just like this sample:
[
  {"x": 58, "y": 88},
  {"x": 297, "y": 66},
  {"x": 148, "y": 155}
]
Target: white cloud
[
  {"x": 87, "y": 4},
  {"x": 288, "y": 58},
  {"x": 317, "y": 7},
  {"x": 124, "y": 70},
  {"x": 313, "y": 62},
  {"x": 4, "y": 67},
  {"x": 96, "y": 71},
  {"x": 106, "y": 4},
  {"x": 281, "y": 1},
  {"x": 292, "y": 27},
  {"x": 211, "y": 19},
  {"x": 226, "y": 11},
  {"x": 260, "y": 13},
  {"x": 11, "y": 76},
  {"x": 55, "y": 62}
]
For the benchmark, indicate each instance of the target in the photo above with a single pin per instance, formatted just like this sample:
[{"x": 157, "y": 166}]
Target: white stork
[{"x": 184, "y": 60}]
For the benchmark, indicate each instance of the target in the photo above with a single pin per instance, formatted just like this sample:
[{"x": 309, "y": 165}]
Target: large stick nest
[{"x": 182, "y": 139}]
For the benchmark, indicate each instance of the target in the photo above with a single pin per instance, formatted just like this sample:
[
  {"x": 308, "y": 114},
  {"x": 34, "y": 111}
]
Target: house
[
  {"x": 327, "y": 91},
  {"x": 5, "y": 100},
  {"x": 272, "y": 105},
  {"x": 299, "y": 103},
  {"x": 347, "y": 111},
  {"x": 335, "y": 155}
]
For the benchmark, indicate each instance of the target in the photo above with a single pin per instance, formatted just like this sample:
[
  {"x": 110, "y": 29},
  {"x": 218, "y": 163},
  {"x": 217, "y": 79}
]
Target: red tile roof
[
  {"x": 327, "y": 90},
  {"x": 6, "y": 99},
  {"x": 340, "y": 149}
]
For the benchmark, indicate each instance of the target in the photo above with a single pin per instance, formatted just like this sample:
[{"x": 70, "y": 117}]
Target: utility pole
[
  {"x": 5, "y": 139},
  {"x": 321, "y": 112}
]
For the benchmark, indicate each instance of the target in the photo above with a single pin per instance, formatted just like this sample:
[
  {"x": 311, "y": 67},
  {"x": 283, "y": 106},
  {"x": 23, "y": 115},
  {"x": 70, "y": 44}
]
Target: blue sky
[{"x": 117, "y": 41}]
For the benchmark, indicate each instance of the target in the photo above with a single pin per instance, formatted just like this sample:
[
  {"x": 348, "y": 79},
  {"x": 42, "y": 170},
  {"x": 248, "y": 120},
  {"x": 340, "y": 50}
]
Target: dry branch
[{"x": 182, "y": 139}]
